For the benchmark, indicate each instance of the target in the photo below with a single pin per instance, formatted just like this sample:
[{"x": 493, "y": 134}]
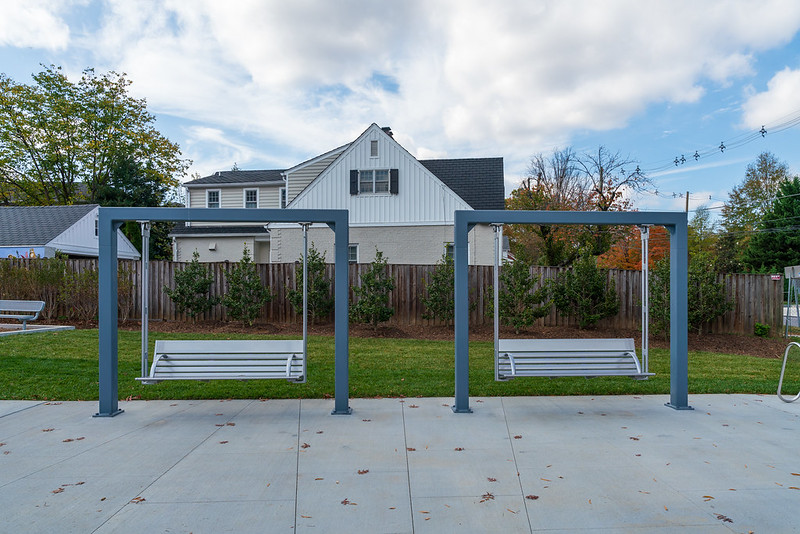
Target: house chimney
[{"x": 388, "y": 130}]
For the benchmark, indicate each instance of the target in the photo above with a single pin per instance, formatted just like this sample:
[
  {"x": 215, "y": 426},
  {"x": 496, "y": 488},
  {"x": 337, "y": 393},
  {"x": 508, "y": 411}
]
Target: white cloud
[
  {"x": 781, "y": 98},
  {"x": 34, "y": 23},
  {"x": 472, "y": 78}
]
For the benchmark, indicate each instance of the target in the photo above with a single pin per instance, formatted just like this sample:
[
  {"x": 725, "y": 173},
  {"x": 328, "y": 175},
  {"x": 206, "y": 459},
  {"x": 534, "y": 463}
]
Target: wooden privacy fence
[{"x": 757, "y": 298}]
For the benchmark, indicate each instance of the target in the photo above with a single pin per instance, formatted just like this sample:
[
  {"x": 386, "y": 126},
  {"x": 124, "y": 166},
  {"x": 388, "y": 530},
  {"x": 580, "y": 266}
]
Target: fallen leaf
[
  {"x": 490, "y": 479},
  {"x": 459, "y": 449},
  {"x": 645, "y": 492},
  {"x": 796, "y": 474},
  {"x": 478, "y": 400},
  {"x": 707, "y": 498},
  {"x": 230, "y": 424},
  {"x": 424, "y": 512},
  {"x": 412, "y": 449},
  {"x": 392, "y": 508},
  {"x": 634, "y": 438},
  {"x": 48, "y": 429},
  {"x": 794, "y": 487},
  {"x": 546, "y": 479},
  {"x": 305, "y": 446},
  {"x": 101, "y": 500},
  {"x": 218, "y": 414},
  {"x": 517, "y": 437},
  {"x": 138, "y": 500},
  {"x": 666, "y": 509},
  {"x": 363, "y": 471},
  {"x": 67, "y": 440},
  {"x": 487, "y": 497},
  {"x": 173, "y": 404},
  {"x": 223, "y": 442},
  {"x": 532, "y": 497},
  {"x": 366, "y": 420},
  {"x": 319, "y": 431},
  {"x": 638, "y": 455},
  {"x": 319, "y": 478},
  {"x": 59, "y": 490},
  {"x": 413, "y": 406},
  {"x": 590, "y": 501},
  {"x": 219, "y": 424},
  {"x": 346, "y": 502},
  {"x": 724, "y": 519},
  {"x": 2, "y": 444},
  {"x": 305, "y": 516}
]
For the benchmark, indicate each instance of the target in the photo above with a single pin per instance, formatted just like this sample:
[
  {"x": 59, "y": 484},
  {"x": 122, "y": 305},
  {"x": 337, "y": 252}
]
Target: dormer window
[
  {"x": 212, "y": 198},
  {"x": 251, "y": 198}
]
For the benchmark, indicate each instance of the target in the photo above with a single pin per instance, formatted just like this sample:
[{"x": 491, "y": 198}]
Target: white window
[
  {"x": 251, "y": 198},
  {"x": 374, "y": 181},
  {"x": 283, "y": 197},
  {"x": 373, "y": 148},
  {"x": 352, "y": 253},
  {"x": 212, "y": 198}
]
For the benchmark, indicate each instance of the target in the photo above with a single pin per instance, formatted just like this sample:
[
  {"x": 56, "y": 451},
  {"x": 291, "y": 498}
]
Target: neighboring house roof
[
  {"x": 181, "y": 229},
  {"x": 478, "y": 181},
  {"x": 238, "y": 178},
  {"x": 38, "y": 225},
  {"x": 69, "y": 229}
]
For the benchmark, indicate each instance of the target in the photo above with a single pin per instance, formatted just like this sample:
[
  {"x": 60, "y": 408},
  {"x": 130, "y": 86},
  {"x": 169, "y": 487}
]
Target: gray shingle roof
[
  {"x": 37, "y": 225},
  {"x": 479, "y": 181},
  {"x": 238, "y": 177}
]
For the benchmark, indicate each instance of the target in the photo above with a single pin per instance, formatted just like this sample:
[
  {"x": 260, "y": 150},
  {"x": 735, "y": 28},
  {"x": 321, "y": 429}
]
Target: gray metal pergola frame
[
  {"x": 109, "y": 221},
  {"x": 676, "y": 224}
]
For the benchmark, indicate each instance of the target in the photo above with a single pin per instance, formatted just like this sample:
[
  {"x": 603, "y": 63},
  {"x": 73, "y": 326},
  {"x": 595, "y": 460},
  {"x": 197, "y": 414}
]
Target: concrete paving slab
[{"x": 600, "y": 464}]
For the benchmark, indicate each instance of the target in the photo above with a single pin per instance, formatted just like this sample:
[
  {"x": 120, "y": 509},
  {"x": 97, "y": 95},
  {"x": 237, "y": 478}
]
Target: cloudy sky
[{"x": 267, "y": 84}]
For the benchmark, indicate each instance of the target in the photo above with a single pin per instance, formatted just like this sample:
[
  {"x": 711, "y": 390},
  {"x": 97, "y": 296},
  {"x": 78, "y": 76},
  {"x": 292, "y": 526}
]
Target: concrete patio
[{"x": 517, "y": 464}]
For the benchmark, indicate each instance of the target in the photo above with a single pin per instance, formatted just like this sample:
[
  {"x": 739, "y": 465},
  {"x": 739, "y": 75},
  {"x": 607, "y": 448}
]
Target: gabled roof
[
  {"x": 478, "y": 181},
  {"x": 38, "y": 225},
  {"x": 273, "y": 176}
]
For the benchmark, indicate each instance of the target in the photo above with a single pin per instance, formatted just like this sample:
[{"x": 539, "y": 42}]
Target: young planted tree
[
  {"x": 371, "y": 304},
  {"x": 586, "y": 292},
  {"x": 246, "y": 295},
  {"x": 659, "y": 297},
  {"x": 521, "y": 302},
  {"x": 439, "y": 299},
  {"x": 192, "y": 286},
  {"x": 320, "y": 302}
]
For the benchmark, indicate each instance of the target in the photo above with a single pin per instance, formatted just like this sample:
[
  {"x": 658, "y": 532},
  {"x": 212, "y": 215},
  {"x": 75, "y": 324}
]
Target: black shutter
[
  {"x": 353, "y": 182},
  {"x": 394, "y": 179}
]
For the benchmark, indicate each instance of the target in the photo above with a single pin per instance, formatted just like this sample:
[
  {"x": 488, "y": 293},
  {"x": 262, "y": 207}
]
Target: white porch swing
[
  {"x": 569, "y": 357},
  {"x": 223, "y": 359}
]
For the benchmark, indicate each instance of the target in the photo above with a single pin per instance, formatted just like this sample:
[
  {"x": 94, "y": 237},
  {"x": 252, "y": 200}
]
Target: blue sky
[{"x": 267, "y": 84}]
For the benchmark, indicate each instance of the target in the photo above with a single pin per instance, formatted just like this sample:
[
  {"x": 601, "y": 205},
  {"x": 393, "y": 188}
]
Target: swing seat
[
  {"x": 783, "y": 371},
  {"x": 227, "y": 360},
  {"x": 567, "y": 357}
]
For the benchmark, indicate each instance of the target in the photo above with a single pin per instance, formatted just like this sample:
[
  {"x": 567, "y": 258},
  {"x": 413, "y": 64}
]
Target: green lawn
[{"x": 64, "y": 366}]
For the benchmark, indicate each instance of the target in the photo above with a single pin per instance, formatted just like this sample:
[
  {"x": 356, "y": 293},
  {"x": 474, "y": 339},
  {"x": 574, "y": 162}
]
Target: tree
[
  {"x": 610, "y": 176},
  {"x": 521, "y": 302},
  {"x": 371, "y": 304},
  {"x": 246, "y": 294},
  {"x": 552, "y": 183},
  {"x": 439, "y": 299},
  {"x": 706, "y": 294},
  {"x": 192, "y": 286},
  {"x": 777, "y": 241},
  {"x": 63, "y": 142},
  {"x": 585, "y": 291},
  {"x": 702, "y": 232},
  {"x": 749, "y": 201},
  {"x": 626, "y": 253},
  {"x": 320, "y": 302}
]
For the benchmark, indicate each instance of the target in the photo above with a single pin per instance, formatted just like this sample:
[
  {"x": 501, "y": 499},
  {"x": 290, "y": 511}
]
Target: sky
[{"x": 268, "y": 84}]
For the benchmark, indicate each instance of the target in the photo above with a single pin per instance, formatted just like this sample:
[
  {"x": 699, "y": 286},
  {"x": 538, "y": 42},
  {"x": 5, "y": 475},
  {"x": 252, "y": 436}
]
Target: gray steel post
[
  {"x": 108, "y": 361},
  {"x": 461, "y": 268},
  {"x": 145, "y": 294},
  {"x": 342, "y": 316},
  {"x": 679, "y": 316}
]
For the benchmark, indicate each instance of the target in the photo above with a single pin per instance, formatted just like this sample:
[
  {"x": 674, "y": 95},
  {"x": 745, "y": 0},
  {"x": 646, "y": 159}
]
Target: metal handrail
[{"x": 783, "y": 370}]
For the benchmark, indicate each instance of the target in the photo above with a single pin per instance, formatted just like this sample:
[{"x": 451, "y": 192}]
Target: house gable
[{"x": 416, "y": 195}]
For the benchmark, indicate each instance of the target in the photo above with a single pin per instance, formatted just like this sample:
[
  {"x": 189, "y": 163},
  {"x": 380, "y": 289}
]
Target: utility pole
[{"x": 687, "y": 202}]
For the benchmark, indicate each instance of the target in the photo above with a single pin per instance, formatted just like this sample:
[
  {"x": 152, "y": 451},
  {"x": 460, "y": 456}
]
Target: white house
[
  {"x": 41, "y": 231},
  {"x": 397, "y": 204}
]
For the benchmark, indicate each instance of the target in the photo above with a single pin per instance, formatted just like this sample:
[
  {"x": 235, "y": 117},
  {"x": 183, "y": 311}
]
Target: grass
[{"x": 64, "y": 366}]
